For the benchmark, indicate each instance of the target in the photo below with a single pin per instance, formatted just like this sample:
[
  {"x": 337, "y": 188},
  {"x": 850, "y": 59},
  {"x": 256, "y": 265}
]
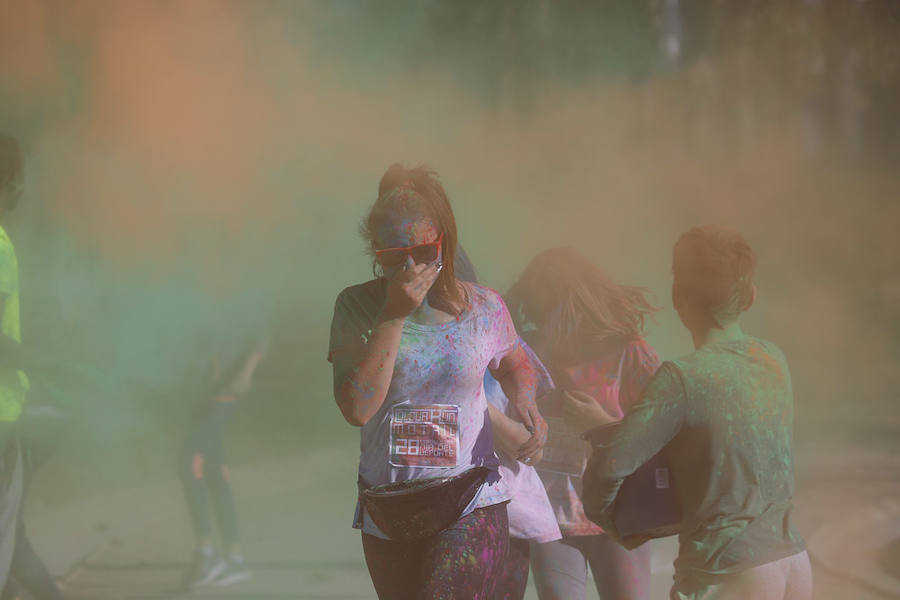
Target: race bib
[{"x": 425, "y": 435}]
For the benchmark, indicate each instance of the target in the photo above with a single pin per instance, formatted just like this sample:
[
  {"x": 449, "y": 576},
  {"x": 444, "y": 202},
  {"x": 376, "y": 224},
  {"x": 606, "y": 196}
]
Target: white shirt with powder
[{"x": 434, "y": 421}]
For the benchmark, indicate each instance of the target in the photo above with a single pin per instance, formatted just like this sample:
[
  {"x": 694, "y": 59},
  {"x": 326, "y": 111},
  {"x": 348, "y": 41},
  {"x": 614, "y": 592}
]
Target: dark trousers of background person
[
  {"x": 463, "y": 561},
  {"x": 513, "y": 578},
  {"x": 204, "y": 474},
  {"x": 560, "y": 568}
]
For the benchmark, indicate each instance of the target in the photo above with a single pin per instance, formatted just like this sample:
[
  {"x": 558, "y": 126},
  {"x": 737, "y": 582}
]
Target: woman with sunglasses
[
  {"x": 587, "y": 330},
  {"x": 416, "y": 341}
]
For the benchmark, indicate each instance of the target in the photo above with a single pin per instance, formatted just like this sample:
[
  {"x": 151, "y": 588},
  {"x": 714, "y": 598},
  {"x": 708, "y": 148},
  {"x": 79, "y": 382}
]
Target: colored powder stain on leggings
[{"x": 448, "y": 563}]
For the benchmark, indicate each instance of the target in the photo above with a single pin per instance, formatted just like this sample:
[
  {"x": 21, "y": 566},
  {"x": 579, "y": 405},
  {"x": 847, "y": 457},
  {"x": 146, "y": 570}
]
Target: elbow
[
  {"x": 354, "y": 418},
  {"x": 350, "y": 410}
]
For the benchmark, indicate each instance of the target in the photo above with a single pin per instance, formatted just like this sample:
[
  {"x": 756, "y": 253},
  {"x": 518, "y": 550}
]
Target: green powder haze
[{"x": 193, "y": 166}]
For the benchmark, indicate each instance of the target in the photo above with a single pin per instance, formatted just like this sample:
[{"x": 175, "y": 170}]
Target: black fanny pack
[{"x": 420, "y": 508}]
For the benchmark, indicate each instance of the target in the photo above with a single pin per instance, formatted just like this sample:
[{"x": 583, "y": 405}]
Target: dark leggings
[
  {"x": 513, "y": 577},
  {"x": 204, "y": 473},
  {"x": 463, "y": 561}
]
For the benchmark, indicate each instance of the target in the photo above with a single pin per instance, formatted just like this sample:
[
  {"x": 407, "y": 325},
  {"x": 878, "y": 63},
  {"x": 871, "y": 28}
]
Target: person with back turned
[{"x": 722, "y": 417}]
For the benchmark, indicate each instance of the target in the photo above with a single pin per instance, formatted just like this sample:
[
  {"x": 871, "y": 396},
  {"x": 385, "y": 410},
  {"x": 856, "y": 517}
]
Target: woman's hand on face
[
  {"x": 582, "y": 412},
  {"x": 407, "y": 289}
]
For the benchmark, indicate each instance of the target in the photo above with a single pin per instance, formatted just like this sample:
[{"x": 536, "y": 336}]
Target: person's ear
[
  {"x": 752, "y": 298},
  {"x": 676, "y": 297}
]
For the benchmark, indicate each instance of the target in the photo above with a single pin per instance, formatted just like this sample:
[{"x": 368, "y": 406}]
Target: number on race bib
[{"x": 425, "y": 436}]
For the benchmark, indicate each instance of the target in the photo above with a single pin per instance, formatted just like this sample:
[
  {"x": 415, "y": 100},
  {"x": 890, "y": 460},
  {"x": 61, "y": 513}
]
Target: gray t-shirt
[
  {"x": 433, "y": 422},
  {"x": 724, "y": 415}
]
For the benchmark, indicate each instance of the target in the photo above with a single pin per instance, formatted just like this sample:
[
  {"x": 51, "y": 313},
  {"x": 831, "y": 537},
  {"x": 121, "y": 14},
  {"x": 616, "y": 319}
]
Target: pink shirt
[{"x": 616, "y": 381}]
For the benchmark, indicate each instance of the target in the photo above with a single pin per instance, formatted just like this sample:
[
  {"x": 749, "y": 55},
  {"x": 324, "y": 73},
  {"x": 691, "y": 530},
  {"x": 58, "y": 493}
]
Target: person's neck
[
  {"x": 426, "y": 314},
  {"x": 717, "y": 335}
]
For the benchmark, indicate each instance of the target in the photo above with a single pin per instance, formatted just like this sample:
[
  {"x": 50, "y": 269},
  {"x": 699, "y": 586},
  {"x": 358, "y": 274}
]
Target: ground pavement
[{"x": 133, "y": 544}]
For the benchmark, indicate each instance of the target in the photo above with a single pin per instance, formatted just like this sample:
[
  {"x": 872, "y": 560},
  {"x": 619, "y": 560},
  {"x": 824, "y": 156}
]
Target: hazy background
[{"x": 194, "y": 165}]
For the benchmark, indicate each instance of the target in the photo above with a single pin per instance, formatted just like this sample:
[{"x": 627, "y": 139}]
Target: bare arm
[
  {"x": 363, "y": 371},
  {"x": 517, "y": 377},
  {"x": 241, "y": 382}
]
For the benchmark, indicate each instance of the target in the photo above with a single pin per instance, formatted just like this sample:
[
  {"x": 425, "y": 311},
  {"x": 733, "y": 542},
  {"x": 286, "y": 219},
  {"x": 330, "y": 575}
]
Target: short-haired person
[
  {"x": 588, "y": 331},
  {"x": 723, "y": 416},
  {"x": 409, "y": 351}
]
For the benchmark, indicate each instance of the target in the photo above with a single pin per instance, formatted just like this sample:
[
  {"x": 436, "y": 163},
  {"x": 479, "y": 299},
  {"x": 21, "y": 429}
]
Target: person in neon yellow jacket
[{"x": 13, "y": 381}]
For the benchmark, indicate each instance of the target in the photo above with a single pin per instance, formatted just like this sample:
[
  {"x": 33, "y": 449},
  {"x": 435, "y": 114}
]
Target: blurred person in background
[
  {"x": 417, "y": 341},
  {"x": 202, "y": 467},
  {"x": 14, "y": 383},
  {"x": 588, "y": 330},
  {"x": 29, "y": 432},
  {"x": 723, "y": 416}
]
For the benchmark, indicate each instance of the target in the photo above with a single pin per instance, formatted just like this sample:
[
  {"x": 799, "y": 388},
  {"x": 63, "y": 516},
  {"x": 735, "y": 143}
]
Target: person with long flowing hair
[{"x": 588, "y": 330}]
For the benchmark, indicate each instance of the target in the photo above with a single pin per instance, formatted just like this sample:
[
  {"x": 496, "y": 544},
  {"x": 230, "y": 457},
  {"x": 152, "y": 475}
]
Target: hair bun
[{"x": 395, "y": 176}]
